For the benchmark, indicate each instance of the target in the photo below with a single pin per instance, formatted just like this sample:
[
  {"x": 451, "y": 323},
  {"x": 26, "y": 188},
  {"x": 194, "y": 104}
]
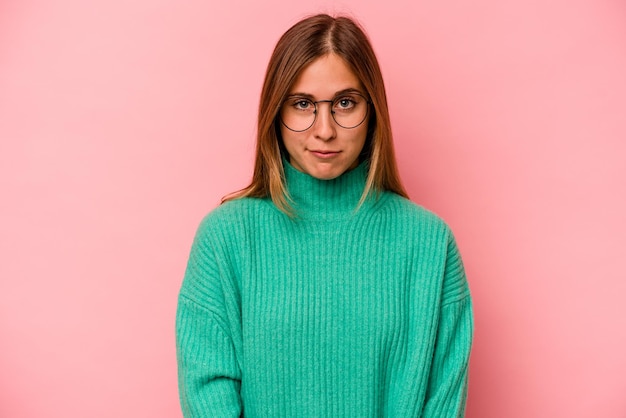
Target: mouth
[{"x": 324, "y": 153}]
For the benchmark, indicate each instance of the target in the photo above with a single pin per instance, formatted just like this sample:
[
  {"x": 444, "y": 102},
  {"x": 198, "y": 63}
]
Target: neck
[{"x": 313, "y": 198}]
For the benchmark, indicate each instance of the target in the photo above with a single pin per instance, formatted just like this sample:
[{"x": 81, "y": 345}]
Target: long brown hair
[{"x": 303, "y": 43}]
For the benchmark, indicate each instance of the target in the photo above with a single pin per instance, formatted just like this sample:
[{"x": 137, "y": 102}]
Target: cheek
[
  {"x": 361, "y": 136},
  {"x": 290, "y": 139}
]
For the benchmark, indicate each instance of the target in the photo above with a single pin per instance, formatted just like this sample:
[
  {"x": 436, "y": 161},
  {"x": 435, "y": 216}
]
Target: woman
[{"x": 320, "y": 290}]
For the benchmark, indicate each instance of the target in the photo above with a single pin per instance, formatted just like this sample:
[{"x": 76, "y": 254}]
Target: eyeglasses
[{"x": 348, "y": 110}]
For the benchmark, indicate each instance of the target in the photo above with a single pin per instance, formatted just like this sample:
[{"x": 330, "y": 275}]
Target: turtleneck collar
[{"x": 336, "y": 198}]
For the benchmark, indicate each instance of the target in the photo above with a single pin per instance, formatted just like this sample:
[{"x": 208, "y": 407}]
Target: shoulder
[
  {"x": 413, "y": 216},
  {"x": 234, "y": 212},
  {"x": 230, "y": 218}
]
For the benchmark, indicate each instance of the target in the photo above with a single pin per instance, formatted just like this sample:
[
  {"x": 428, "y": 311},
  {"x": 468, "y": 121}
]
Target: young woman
[{"x": 320, "y": 290}]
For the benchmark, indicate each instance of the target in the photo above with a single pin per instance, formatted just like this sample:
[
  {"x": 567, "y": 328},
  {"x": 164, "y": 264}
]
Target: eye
[
  {"x": 345, "y": 103},
  {"x": 302, "y": 104}
]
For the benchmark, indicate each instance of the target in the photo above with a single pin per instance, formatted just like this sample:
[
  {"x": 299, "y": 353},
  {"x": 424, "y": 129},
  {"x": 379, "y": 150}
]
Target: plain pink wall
[{"x": 123, "y": 123}]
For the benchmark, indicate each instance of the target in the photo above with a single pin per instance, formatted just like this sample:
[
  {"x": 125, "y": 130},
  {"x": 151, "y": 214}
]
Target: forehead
[{"x": 324, "y": 77}]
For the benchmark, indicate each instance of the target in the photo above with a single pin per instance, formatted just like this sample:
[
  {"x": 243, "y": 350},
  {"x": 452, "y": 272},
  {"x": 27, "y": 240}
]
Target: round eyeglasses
[{"x": 348, "y": 110}]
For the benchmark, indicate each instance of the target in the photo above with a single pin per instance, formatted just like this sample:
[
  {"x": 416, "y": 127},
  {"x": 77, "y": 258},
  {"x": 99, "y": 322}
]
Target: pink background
[{"x": 123, "y": 123}]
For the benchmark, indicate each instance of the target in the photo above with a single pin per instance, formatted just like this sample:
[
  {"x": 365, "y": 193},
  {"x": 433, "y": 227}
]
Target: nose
[{"x": 324, "y": 122}]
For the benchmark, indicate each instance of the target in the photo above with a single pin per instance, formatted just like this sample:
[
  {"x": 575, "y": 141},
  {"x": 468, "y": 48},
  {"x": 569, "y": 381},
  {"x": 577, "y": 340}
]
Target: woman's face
[{"x": 325, "y": 150}]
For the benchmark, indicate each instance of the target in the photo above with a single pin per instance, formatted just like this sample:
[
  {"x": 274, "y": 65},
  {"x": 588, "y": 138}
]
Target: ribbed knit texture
[{"x": 336, "y": 313}]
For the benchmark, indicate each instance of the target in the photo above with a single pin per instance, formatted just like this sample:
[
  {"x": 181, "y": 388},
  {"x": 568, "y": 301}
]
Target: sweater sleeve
[
  {"x": 447, "y": 386},
  {"x": 209, "y": 376}
]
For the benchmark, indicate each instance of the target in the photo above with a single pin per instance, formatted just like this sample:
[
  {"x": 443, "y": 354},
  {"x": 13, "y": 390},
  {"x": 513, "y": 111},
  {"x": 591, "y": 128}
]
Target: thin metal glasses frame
[{"x": 332, "y": 112}]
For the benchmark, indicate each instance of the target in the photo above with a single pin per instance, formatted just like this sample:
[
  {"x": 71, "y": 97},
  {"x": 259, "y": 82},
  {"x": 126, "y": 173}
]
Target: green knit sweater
[{"x": 336, "y": 313}]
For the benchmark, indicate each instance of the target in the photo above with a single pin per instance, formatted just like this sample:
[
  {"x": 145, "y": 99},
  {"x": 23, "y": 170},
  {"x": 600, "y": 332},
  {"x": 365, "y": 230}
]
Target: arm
[
  {"x": 447, "y": 386},
  {"x": 209, "y": 376}
]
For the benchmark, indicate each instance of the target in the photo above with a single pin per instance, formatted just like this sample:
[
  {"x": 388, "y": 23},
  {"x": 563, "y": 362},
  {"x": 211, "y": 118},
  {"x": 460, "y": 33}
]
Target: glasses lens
[
  {"x": 348, "y": 110},
  {"x": 298, "y": 114}
]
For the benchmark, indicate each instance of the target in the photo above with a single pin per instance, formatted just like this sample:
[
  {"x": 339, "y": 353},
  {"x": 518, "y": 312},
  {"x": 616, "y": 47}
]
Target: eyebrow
[{"x": 339, "y": 93}]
